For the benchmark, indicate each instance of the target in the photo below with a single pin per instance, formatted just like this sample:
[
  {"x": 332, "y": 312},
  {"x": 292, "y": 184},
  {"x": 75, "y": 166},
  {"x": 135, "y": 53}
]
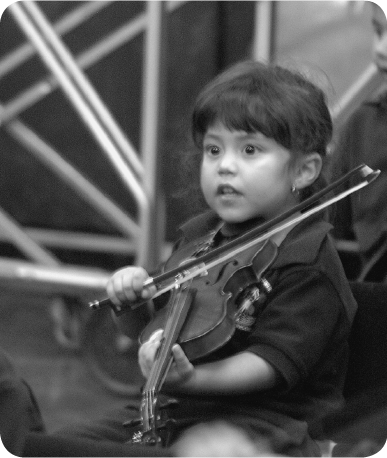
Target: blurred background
[{"x": 95, "y": 101}]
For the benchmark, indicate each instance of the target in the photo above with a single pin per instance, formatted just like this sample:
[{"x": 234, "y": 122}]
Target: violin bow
[{"x": 201, "y": 264}]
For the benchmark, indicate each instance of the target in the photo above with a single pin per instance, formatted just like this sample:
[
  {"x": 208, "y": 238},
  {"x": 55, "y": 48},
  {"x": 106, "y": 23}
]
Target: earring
[{"x": 294, "y": 189}]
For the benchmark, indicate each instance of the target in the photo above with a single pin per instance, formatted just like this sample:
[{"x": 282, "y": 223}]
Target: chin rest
[
  {"x": 363, "y": 420},
  {"x": 39, "y": 445}
]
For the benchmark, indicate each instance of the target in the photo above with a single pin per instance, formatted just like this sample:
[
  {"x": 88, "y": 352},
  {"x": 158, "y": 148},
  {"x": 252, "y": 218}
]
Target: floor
[{"x": 64, "y": 386}]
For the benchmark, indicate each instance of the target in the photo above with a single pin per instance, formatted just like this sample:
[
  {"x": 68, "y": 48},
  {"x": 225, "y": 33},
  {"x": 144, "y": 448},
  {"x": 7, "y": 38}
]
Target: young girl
[{"x": 263, "y": 132}]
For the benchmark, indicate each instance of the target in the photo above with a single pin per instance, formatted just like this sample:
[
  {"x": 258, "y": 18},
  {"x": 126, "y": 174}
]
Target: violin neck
[{"x": 181, "y": 300}]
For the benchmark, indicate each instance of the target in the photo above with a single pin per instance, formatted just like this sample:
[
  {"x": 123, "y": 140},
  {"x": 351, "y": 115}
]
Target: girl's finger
[
  {"x": 156, "y": 336},
  {"x": 182, "y": 364},
  {"x": 139, "y": 277}
]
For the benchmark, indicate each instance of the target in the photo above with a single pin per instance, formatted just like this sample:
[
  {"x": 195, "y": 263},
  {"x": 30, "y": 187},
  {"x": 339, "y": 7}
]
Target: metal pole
[
  {"x": 53, "y": 280},
  {"x": 152, "y": 114},
  {"x": 79, "y": 241},
  {"x": 263, "y": 31}
]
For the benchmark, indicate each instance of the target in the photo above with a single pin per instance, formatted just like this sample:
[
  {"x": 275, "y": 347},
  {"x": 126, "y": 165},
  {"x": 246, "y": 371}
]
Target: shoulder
[
  {"x": 303, "y": 243},
  {"x": 309, "y": 251}
]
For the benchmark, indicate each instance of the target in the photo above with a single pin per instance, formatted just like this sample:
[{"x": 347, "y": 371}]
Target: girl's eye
[
  {"x": 212, "y": 150},
  {"x": 250, "y": 150}
]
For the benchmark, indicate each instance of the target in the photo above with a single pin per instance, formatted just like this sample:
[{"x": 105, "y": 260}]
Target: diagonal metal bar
[
  {"x": 27, "y": 14},
  {"x": 86, "y": 59},
  {"x": 90, "y": 193},
  {"x": 69, "y": 22},
  {"x": 25, "y": 243},
  {"x": 74, "y": 83},
  {"x": 34, "y": 21},
  {"x": 64, "y": 25},
  {"x": 369, "y": 82},
  {"x": 84, "y": 88}
]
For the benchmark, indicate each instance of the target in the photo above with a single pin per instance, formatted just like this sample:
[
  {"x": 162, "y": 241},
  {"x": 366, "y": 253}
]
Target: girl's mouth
[{"x": 227, "y": 190}]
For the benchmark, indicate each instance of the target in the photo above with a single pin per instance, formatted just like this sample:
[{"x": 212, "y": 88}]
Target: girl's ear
[{"x": 308, "y": 170}]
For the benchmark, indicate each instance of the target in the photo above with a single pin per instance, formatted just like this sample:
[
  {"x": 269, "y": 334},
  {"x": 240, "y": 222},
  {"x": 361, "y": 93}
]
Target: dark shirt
[
  {"x": 364, "y": 140},
  {"x": 302, "y": 330}
]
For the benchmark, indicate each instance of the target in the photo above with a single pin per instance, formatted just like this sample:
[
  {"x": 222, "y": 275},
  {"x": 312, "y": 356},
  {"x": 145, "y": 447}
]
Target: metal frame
[
  {"x": 66, "y": 72},
  {"x": 82, "y": 95}
]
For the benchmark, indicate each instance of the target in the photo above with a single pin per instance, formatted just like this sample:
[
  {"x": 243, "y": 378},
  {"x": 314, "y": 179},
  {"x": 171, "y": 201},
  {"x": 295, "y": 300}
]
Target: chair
[{"x": 361, "y": 425}]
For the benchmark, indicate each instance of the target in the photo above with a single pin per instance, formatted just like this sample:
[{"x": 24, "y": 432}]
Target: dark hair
[{"x": 280, "y": 103}]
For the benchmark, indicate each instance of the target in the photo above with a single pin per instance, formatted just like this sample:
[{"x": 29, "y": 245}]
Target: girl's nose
[{"x": 227, "y": 163}]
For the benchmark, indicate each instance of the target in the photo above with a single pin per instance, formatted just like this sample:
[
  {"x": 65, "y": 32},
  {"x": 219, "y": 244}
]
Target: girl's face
[
  {"x": 245, "y": 175},
  {"x": 379, "y": 23}
]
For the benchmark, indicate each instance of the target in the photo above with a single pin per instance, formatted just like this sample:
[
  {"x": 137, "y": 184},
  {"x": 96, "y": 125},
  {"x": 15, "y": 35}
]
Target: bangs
[
  {"x": 278, "y": 103},
  {"x": 240, "y": 110}
]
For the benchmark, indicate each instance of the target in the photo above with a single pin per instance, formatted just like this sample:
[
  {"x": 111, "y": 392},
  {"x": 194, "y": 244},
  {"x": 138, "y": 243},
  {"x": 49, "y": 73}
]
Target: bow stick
[{"x": 195, "y": 267}]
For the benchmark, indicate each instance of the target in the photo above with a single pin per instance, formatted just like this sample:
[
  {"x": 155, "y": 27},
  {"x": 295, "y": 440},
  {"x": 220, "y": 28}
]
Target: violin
[
  {"x": 203, "y": 328},
  {"x": 231, "y": 279},
  {"x": 201, "y": 316}
]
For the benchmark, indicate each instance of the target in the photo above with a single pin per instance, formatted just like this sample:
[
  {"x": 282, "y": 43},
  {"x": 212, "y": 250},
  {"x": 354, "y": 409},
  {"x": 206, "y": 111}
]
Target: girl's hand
[
  {"x": 181, "y": 369},
  {"x": 127, "y": 285}
]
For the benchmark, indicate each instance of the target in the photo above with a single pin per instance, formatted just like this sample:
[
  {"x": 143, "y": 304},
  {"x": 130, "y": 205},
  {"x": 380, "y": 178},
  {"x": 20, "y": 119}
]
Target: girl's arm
[{"x": 237, "y": 374}]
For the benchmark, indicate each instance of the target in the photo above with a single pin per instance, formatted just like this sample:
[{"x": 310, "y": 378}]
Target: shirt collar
[{"x": 301, "y": 245}]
